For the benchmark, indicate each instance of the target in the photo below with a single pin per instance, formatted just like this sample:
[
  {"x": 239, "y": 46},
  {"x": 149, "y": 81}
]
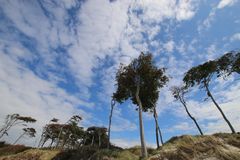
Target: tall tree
[
  {"x": 12, "y": 120},
  {"x": 202, "y": 75},
  {"x": 110, "y": 121},
  {"x": 178, "y": 93},
  {"x": 26, "y": 131},
  {"x": 140, "y": 81}
]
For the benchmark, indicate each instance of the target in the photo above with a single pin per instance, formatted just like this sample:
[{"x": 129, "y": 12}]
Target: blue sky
[{"x": 59, "y": 58}]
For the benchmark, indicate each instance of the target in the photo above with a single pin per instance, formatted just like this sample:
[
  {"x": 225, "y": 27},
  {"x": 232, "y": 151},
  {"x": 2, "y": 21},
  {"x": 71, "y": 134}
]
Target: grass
[
  {"x": 221, "y": 146},
  {"x": 32, "y": 154}
]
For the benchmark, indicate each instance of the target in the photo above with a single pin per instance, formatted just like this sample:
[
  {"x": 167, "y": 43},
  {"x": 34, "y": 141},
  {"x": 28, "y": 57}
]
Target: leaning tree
[
  {"x": 178, "y": 93},
  {"x": 26, "y": 131},
  {"x": 13, "y": 120},
  {"x": 140, "y": 81},
  {"x": 228, "y": 63},
  {"x": 202, "y": 75}
]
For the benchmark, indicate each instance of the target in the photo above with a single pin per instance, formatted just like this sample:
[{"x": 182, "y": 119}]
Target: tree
[
  {"x": 96, "y": 136},
  {"x": 26, "y": 131},
  {"x": 178, "y": 93},
  {"x": 47, "y": 133},
  {"x": 202, "y": 75},
  {"x": 140, "y": 81},
  {"x": 228, "y": 63},
  {"x": 73, "y": 119},
  {"x": 13, "y": 120},
  {"x": 110, "y": 121}
]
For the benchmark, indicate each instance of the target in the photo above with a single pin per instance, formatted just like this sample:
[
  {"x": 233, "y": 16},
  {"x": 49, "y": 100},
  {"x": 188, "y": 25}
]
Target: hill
[{"x": 221, "y": 146}]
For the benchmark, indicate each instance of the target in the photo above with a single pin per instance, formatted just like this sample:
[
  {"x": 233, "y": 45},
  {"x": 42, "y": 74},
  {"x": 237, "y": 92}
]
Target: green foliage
[
  {"x": 201, "y": 74},
  {"x": 143, "y": 73}
]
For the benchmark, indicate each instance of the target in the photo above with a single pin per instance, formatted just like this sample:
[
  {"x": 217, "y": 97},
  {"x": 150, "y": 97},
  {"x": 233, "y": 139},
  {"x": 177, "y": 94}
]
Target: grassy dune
[{"x": 220, "y": 146}]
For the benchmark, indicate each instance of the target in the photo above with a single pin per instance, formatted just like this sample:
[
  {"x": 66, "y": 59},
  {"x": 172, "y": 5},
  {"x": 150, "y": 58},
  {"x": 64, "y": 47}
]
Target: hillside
[{"x": 221, "y": 146}]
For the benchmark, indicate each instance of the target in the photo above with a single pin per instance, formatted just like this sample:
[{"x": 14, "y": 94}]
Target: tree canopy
[{"x": 141, "y": 71}]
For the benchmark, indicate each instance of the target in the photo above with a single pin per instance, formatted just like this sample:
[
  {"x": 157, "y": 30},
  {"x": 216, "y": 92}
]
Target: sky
[{"x": 59, "y": 58}]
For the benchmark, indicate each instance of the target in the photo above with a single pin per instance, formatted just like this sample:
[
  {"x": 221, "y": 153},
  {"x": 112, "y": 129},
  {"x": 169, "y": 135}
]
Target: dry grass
[
  {"x": 32, "y": 154},
  {"x": 218, "y": 146}
]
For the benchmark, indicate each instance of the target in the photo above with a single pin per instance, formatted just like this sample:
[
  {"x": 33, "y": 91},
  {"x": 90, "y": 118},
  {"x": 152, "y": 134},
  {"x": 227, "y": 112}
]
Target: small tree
[
  {"x": 140, "y": 81},
  {"x": 13, "y": 120},
  {"x": 26, "y": 131},
  {"x": 178, "y": 93},
  {"x": 202, "y": 75},
  {"x": 96, "y": 136},
  {"x": 47, "y": 133},
  {"x": 74, "y": 119}
]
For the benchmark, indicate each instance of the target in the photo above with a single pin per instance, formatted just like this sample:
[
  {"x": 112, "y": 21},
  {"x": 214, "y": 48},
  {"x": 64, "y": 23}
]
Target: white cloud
[
  {"x": 25, "y": 93},
  {"x": 169, "y": 46},
  {"x": 235, "y": 37},
  {"x": 182, "y": 127},
  {"x": 225, "y": 3},
  {"x": 185, "y": 10},
  {"x": 126, "y": 143}
]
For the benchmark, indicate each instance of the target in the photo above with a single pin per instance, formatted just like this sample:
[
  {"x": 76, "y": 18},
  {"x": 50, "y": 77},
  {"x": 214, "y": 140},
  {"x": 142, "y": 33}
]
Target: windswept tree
[
  {"x": 96, "y": 136},
  {"x": 228, "y": 63},
  {"x": 13, "y": 120},
  {"x": 202, "y": 75},
  {"x": 178, "y": 93},
  {"x": 140, "y": 81},
  {"x": 26, "y": 131},
  {"x": 47, "y": 133},
  {"x": 110, "y": 121},
  {"x": 74, "y": 119}
]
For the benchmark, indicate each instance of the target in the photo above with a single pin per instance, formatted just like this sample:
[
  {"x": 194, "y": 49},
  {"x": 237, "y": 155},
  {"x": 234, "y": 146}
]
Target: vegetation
[
  {"x": 140, "y": 81},
  {"x": 13, "y": 120},
  {"x": 178, "y": 93},
  {"x": 204, "y": 73}
]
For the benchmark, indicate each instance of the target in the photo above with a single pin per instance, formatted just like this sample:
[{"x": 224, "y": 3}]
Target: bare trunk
[
  {"x": 19, "y": 137},
  {"x": 59, "y": 135},
  {"x": 51, "y": 143},
  {"x": 143, "y": 145},
  {"x": 6, "y": 128},
  {"x": 194, "y": 120},
  {"x": 99, "y": 140},
  {"x": 218, "y": 107},
  {"x": 158, "y": 130},
  {"x": 92, "y": 140},
  {"x": 110, "y": 122}
]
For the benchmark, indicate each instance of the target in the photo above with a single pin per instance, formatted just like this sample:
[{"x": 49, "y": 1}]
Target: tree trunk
[
  {"x": 194, "y": 120},
  {"x": 143, "y": 145},
  {"x": 51, "y": 143},
  {"x": 19, "y": 137},
  {"x": 158, "y": 130},
  {"x": 92, "y": 140},
  {"x": 99, "y": 140},
  {"x": 110, "y": 122},
  {"x": 218, "y": 107},
  {"x": 6, "y": 128}
]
